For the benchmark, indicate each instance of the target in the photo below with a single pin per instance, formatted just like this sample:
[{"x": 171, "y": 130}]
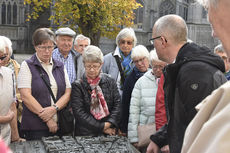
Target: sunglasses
[
  {"x": 128, "y": 42},
  {"x": 3, "y": 57}
]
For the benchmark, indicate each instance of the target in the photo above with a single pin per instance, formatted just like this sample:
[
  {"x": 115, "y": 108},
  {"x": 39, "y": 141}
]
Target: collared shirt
[{"x": 68, "y": 62}]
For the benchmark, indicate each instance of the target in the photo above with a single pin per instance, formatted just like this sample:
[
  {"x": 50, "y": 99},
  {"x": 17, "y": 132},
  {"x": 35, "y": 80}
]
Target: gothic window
[
  {"x": 183, "y": 12},
  {"x": 3, "y": 13},
  {"x": 167, "y": 7},
  {"x": 15, "y": 13},
  {"x": 204, "y": 13},
  {"x": 138, "y": 21},
  {"x": 9, "y": 19}
]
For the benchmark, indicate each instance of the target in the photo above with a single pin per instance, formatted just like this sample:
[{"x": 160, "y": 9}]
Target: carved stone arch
[{"x": 167, "y": 7}]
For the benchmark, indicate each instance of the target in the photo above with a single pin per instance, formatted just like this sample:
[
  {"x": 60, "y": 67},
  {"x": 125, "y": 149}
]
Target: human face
[
  {"x": 157, "y": 68},
  {"x": 81, "y": 45},
  {"x": 141, "y": 63},
  {"x": 126, "y": 45},
  {"x": 3, "y": 58},
  {"x": 92, "y": 69},
  {"x": 44, "y": 51},
  {"x": 64, "y": 44},
  {"x": 4, "y": 61},
  {"x": 225, "y": 58},
  {"x": 158, "y": 46},
  {"x": 219, "y": 19}
]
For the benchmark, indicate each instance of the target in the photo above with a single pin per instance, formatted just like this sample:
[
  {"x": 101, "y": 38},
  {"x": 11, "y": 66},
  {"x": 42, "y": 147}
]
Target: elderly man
[
  {"x": 209, "y": 130},
  {"x": 80, "y": 43},
  {"x": 64, "y": 52},
  {"x": 219, "y": 50},
  {"x": 193, "y": 74}
]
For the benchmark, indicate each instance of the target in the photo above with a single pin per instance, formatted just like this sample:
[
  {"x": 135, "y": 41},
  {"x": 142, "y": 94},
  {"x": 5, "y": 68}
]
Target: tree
[{"x": 92, "y": 18}]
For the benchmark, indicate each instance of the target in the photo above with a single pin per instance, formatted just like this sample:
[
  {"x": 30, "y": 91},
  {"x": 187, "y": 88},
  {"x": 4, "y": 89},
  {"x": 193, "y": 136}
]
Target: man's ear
[{"x": 163, "y": 41}]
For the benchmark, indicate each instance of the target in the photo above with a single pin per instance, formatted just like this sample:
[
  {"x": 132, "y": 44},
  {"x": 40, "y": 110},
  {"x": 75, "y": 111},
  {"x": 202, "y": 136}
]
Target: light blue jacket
[{"x": 142, "y": 105}]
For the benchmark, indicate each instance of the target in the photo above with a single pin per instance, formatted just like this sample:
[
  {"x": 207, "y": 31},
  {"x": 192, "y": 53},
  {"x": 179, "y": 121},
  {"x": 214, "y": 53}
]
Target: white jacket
[
  {"x": 209, "y": 131},
  {"x": 142, "y": 104}
]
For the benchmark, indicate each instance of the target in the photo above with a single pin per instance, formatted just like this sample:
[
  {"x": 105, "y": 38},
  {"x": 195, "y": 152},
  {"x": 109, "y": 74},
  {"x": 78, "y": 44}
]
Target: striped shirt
[{"x": 68, "y": 62}]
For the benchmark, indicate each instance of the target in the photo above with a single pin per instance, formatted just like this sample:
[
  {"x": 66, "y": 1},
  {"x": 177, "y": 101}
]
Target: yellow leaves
[{"x": 92, "y": 16}]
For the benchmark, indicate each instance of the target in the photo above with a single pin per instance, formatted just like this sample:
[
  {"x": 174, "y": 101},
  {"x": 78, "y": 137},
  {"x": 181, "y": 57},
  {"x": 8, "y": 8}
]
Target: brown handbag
[{"x": 144, "y": 132}]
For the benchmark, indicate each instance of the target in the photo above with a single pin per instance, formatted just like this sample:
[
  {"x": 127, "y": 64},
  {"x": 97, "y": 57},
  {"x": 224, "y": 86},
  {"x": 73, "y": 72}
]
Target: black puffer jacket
[
  {"x": 86, "y": 124},
  {"x": 194, "y": 75}
]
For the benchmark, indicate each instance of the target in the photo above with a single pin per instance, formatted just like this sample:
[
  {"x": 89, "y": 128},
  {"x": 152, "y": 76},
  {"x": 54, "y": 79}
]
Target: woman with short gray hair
[
  {"x": 140, "y": 57},
  {"x": 95, "y": 98},
  {"x": 119, "y": 63}
]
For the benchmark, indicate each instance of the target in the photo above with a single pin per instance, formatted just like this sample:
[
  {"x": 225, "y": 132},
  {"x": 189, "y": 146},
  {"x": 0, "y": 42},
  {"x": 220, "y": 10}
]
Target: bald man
[{"x": 193, "y": 73}]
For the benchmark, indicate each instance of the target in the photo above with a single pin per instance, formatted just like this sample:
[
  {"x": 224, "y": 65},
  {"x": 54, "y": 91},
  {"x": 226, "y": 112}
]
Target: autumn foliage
[{"x": 93, "y": 18}]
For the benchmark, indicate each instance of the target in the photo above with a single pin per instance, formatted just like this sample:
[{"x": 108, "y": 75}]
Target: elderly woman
[
  {"x": 140, "y": 57},
  {"x": 95, "y": 98},
  {"x": 39, "y": 116},
  {"x": 8, "y": 118},
  {"x": 142, "y": 104},
  {"x": 119, "y": 63},
  {"x": 15, "y": 67}
]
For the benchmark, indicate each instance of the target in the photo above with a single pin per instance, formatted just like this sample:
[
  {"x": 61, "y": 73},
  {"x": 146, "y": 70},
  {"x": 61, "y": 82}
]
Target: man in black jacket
[{"x": 193, "y": 74}]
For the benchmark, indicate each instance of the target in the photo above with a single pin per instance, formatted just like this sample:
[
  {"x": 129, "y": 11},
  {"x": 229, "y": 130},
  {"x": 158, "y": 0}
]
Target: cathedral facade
[{"x": 13, "y": 23}]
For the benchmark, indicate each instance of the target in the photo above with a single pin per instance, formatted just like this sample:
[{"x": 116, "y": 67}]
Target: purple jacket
[{"x": 40, "y": 92}]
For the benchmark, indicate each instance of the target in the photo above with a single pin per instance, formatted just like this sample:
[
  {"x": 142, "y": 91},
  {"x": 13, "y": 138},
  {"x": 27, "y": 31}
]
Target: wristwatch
[{"x": 56, "y": 107}]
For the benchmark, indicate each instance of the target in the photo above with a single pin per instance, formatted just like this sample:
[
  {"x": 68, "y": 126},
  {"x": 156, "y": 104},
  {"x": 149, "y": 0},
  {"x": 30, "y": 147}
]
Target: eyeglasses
[
  {"x": 152, "y": 39},
  {"x": 127, "y": 42},
  {"x": 155, "y": 67},
  {"x": 140, "y": 60},
  {"x": 43, "y": 48},
  {"x": 3, "y": 57},
  {"x": 94, "y": 67}
]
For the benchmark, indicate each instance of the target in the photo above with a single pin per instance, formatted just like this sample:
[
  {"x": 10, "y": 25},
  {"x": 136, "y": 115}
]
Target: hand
[
  {"x": 52, "y": 125},
  {"x": 47, "y": 113},
  {"x": 135, "y": 145},
  {"x": 152, "y": 148},
  {"x": 110, "y": 131},
  {"x": 18, "y": 140},
  {"x": 107, "y": 125},
  {"x": 165, "y": 149},
  {"x": 120, "y": 133}
]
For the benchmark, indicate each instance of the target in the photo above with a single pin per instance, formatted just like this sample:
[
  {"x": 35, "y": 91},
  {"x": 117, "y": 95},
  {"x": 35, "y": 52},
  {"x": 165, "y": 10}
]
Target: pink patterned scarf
[{"x": 98, "y": 107}]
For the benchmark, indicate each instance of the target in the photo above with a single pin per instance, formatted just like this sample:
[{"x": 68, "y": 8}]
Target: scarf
[
  {"x": 98, "y": 107},
  {"x": 125, "y": 61}
]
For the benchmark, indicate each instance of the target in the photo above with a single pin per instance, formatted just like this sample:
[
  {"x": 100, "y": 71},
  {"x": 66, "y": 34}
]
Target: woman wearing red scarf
[{"x": 95, "y": 98}]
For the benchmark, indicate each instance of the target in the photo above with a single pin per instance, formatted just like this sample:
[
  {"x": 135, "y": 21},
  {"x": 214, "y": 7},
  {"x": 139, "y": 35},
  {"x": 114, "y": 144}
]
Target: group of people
[{"x": 177, "y": 87}]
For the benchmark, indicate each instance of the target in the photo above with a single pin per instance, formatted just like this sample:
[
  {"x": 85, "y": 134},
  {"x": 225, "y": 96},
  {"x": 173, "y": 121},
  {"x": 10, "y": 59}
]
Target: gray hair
[
  {"x": 8, "y": 44},
  {"x": 153, "y": 56},
  {"x": 125, "y": 33},
  {"x": 208, "y": 3},
  {"x": 2, "y": 45},
  {"x": 219, "y": 49},
  {"x": 140, "y": 51},
  {"x": 92, "y": 54},
  {"x": 172, "y": 26},
  {"x": 81, "y": 37}
]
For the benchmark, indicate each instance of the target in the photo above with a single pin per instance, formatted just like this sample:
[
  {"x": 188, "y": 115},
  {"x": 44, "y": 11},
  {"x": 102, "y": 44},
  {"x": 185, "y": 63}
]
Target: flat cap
[{"x": 65, "y": 31}]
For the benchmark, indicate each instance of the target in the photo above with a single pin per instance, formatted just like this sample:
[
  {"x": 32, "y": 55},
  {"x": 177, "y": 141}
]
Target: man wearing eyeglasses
[{"x": 193, "y": 74}]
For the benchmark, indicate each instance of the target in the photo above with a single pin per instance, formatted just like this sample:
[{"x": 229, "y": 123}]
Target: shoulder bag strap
[
  {"x": 46, "y": 83},
  {"x": 120, "y": 68}
]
